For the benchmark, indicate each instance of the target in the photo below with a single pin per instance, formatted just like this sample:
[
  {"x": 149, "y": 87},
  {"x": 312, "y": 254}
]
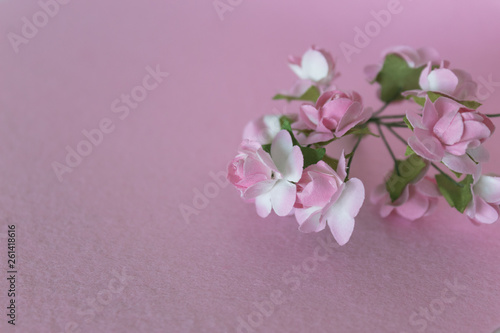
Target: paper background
[{"x": 119, "y": 209}]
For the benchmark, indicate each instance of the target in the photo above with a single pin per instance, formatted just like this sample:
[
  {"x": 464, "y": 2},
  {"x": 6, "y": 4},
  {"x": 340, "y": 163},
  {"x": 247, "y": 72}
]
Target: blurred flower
[
  {"x": 414, "y": 59},
  {"x": 316, "y": 65},
  {"x": 263, "y": 129},
  {"x": 452, "y": 82},
  {"x": 417, "y": 200}
]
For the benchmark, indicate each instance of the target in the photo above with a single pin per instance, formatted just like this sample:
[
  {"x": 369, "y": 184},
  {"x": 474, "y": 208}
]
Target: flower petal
[
  {"x": 281, "y": 148},
  {"x": 461, "y": 164},
  {"x": 340, "y": 214},
  {"x": 314, "y": 65},
  {"x": 313, "y": 222},
  {"x": 488, "y": 188},
  {"x": 283, "y": 196},
  {"x": 259, "y": 189},
  {"x": 263, "y": 204}
]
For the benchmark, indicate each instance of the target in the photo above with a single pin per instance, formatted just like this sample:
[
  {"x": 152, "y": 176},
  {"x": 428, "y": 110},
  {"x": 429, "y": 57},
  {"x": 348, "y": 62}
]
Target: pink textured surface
[{"x": 119, "y": 209}]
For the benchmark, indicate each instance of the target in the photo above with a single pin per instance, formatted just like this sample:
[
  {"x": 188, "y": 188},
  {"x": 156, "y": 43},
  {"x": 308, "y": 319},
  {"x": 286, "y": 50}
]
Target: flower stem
[
  {"x": 381, "y": 109},
  {"x": 493, "y": 115},
  {"x": 400, "y": 138},
  {"x": 350, "y": 158},
  {"x": 388, "y": 148},
  {"x": 392, "y": 116},
  {"x": 445, "y": 174}
]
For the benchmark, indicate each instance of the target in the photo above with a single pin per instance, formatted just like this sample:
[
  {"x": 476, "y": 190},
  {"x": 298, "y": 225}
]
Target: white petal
[
  {"x": 442, "y": 80},
  {"x": 263, "y": 204},
  {"x": 488, "y": 188},
  {"x": 340, "y": 215},
  {"x": 298, "y": 71},
  {"x": 283, "y": 197},
  {"x": 281, "y": 148},
  {"x": 314, "y": 65},
  {"x": 294, "y": 165}
]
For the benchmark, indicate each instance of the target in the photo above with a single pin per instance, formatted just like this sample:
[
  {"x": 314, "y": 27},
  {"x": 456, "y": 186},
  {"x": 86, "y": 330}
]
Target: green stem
[
  {"x": 381, "y": 109},
  {"x": 388, "y": 148},
  {"x": 400, "y": 138},
  {"x": 350, "y": 158},
  {"x": 392, "y": 116},
  {"x": 394, "y": 124},
  {"x": 493, "y": 115},
  {"x": 445, "y": 174}
]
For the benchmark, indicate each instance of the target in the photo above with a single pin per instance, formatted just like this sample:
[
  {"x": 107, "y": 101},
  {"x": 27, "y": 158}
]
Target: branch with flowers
[{"x": 282, "y": 165}]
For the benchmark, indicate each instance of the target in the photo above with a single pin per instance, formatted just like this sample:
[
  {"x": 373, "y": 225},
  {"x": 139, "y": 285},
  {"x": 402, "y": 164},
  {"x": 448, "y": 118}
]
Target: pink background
[{"x": 119, "y": 209}]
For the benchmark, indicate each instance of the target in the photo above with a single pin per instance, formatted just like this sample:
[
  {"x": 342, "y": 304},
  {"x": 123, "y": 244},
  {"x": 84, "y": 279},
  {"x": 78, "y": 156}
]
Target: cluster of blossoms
[{"x": 282, "y": 165}]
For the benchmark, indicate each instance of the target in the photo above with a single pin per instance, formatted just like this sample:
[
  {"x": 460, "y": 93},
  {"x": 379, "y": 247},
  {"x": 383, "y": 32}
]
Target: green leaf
[
  {"x": 267, "y": 148},
  {"x": 408, "y": 170},
  {"x": 395, "y": 77},
  {"x": 470, "y": 104},
  {"x": 286, "y": 123},
  {"x": 457, "y": 174},
  {"x": 433, "y": 96},
  {"x": 458, "y": 195},
  {"x": 312, "y": 156},
  {"x": 409, "y": 151},
  {"x": 332, "y": 162},
  {"x": 407, "y": 122},
  {"x": 419, "y": 100},
  {"x": 312, "y": 94}
]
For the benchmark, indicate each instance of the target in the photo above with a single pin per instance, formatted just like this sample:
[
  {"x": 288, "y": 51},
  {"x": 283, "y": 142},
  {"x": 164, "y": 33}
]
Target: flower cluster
[{"x": 282, "y": 165}]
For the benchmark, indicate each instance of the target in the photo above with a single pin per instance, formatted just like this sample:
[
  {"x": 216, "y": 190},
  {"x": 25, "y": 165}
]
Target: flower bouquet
[{"x": 282, "y": 165}]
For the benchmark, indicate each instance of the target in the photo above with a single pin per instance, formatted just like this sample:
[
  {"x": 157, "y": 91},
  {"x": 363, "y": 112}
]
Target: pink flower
[
  {"x": 263, "y": 129},
  {"x": 414, "y": 59},
  {"x": 449, "y": 132},
  {"x": 416, "y": 201},
  {"x": 247, "y": 169},
  {"x": 316, "y": 65},
  {"x": 484, "y": 207},
  {"x": 281, "y": 169},
  {"x": 452, "y": 82},
  {"x": 335, "y": 113},
  {"x": 323, "y": 197}
]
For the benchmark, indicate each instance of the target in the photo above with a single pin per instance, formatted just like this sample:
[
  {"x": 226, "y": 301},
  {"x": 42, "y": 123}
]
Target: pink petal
[
  {"x": 485, "y": 213},
  {"x": 461, "y": 164},
  {"x": 259, "y": 189},
  {"x": 415, "y": 120},
  {"x": 429, "y": 114},
  {"x": 309, "y": 115},
  {"x": 415, "y": 207},
  {"x": 313, "y": 223},
  {"x": 432, "y": 149},
  {"x": 450, "y": 127},
  {"x": 341, "y": 167}
]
